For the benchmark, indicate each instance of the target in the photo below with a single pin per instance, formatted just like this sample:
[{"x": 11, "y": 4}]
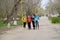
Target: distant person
[
  {"x": 33, "y": 22},
  {"x": 36, "y": 18},
  {"x": 24, "y": 20},
  {"x": 29, "y": 20}
]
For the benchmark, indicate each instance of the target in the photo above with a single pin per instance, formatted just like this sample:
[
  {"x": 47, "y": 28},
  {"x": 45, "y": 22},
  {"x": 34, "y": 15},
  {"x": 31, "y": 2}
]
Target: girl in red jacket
[{"x": 29, "y": 20}]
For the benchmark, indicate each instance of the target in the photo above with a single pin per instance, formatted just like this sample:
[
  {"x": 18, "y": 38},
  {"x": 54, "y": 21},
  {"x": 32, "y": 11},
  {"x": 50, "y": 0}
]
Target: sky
[{"x": 43, "y": 3}]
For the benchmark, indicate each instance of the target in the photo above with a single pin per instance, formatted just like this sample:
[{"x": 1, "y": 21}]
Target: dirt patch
[{"x": 3, "y": 29}]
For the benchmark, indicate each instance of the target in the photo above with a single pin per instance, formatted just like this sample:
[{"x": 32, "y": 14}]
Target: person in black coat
[{"x": 33, "y": 22}]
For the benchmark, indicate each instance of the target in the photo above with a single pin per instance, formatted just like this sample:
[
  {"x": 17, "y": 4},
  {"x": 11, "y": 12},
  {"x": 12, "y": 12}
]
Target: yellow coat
[{"x": 24, "y": 19}]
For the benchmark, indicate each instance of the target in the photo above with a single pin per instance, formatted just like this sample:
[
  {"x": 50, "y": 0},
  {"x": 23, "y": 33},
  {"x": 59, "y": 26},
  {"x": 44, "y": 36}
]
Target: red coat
[{"x": 29, "y": 19}]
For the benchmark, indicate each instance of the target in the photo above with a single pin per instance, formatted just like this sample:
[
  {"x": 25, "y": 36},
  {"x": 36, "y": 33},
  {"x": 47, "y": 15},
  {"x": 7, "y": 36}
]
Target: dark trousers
[
  {"x": 24, "y": 24},
  {"x": 29, "y": 25},
  {"x": 33, "y": 23}
]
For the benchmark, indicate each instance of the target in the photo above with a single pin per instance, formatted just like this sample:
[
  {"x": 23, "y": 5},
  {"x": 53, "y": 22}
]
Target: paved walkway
[{"x": 47, "y": 31}]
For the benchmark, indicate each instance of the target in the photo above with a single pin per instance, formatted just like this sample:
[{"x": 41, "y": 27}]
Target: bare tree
[{"x": 53, "y": 6}]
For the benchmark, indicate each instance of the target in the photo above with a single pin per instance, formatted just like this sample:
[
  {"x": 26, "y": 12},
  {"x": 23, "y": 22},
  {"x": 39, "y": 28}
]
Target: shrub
[{"x": 55, "y": 19}]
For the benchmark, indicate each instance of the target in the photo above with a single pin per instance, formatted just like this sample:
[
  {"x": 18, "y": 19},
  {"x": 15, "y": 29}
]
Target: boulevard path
[{"x": 47, "y": 31}]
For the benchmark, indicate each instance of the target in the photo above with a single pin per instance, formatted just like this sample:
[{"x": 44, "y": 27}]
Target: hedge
[{"x": 55, "y": 19}]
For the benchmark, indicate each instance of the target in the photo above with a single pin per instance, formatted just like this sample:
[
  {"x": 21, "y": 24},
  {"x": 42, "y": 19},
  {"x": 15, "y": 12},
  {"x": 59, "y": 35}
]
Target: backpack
[{"x": 24, "y": 19}]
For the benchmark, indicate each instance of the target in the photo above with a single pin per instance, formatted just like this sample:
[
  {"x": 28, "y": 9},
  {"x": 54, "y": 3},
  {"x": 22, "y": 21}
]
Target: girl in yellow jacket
[{"x": 24, "y": 20}]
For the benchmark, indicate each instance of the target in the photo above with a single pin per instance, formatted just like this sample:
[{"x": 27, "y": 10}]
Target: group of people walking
[{"x": 34, "y": 19}]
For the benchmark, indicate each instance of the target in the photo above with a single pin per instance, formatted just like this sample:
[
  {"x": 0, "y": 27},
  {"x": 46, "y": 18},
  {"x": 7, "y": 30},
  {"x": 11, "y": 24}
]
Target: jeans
[{"x": 37, "y": 24}]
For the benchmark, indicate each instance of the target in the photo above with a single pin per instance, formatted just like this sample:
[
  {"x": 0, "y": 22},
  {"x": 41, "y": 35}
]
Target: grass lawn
[{"x": 3, "y": 26}]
